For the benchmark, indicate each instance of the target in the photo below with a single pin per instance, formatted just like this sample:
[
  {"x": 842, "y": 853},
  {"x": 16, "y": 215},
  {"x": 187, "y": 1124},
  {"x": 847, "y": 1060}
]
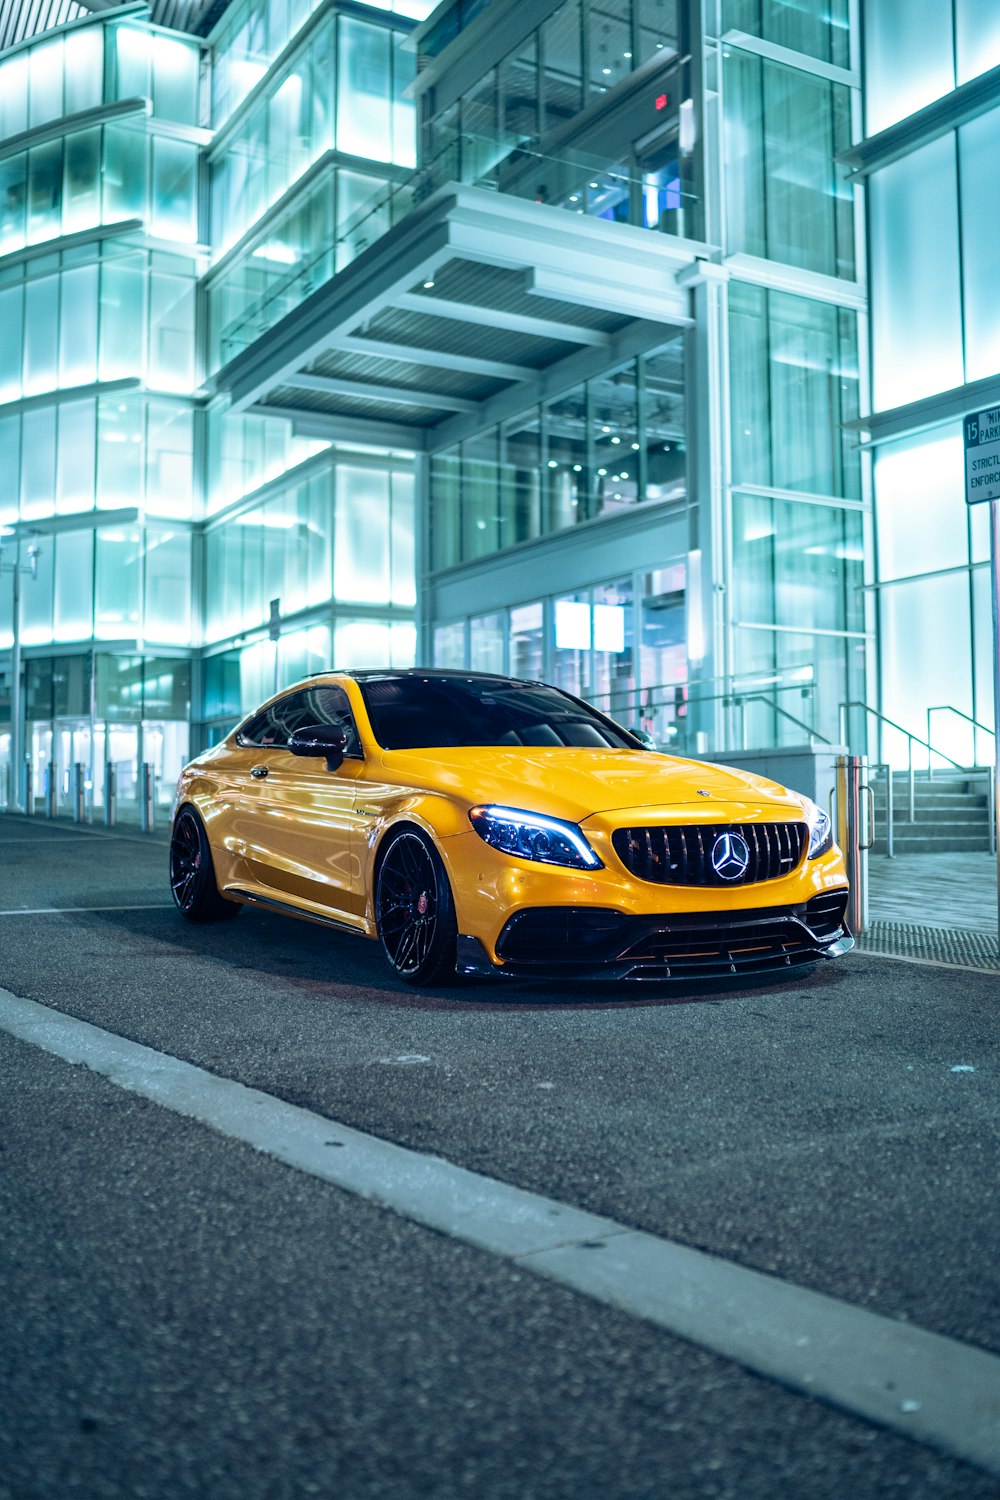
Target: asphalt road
[{"x": 182, "y": 1316}]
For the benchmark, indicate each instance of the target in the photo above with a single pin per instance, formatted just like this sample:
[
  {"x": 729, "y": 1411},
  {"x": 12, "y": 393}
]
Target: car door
[{"x": 294, "y": 818}]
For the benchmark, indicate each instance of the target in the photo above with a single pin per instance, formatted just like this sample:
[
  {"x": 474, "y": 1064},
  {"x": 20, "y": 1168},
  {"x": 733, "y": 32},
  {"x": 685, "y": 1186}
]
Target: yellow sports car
[{"x": 479, "y": 825}]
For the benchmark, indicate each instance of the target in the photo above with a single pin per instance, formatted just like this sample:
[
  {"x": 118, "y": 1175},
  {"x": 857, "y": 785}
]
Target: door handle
[{"x": 259, "y": 771}]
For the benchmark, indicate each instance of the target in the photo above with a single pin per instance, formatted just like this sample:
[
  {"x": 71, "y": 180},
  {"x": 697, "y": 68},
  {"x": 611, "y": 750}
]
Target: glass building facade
[{"x": 538, "y": 339}]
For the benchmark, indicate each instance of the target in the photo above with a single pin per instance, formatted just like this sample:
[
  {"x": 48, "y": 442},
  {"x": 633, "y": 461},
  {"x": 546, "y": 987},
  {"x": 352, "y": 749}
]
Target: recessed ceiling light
[
  {"x": 553, "y": 464},
  {"x": 574, "y": 197},
  {"x": 595, "y": 184},
  {"x": 577, "y": 468},
  {"x": 602, "y": 472},
  {"x": 635, "y": 447},
  {"x": 605, "y": 429},
  {"x": 428, "y": 285},
  {"x": 616, "y": 439},
  {"x": 624, "y": 473}
]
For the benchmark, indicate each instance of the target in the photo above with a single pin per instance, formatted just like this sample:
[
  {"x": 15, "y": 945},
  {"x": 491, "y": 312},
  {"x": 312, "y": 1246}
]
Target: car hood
[{"x": 577, "y": 784}]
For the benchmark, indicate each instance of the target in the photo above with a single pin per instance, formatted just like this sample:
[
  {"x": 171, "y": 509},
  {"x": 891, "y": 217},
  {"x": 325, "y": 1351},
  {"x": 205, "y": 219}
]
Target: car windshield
[{"x": 422, "y": 713}]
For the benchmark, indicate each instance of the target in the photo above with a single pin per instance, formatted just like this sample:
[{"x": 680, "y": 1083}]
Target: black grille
[{"x": 681, "y": 854}]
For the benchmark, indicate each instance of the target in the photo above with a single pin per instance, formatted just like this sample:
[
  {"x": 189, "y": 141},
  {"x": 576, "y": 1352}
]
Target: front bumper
[{"x": 600, "y": 943}]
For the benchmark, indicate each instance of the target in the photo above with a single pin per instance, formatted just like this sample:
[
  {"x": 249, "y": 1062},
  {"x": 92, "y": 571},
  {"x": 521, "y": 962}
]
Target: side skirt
[{"x": 287, "y": 909}]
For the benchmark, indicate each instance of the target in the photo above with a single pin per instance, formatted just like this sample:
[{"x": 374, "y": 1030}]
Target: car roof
[{"x": 436, "y": 674}]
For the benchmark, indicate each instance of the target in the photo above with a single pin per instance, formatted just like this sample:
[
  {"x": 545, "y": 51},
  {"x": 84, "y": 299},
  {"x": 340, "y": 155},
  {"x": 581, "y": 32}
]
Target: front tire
[
  {"x": 192, "y": 873},
  {"x": 415, "y": 910}
]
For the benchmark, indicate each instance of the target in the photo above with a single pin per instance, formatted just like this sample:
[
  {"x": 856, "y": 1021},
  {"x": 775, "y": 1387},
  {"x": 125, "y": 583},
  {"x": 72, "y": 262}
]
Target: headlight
[
  {"x": 820, "y": 830},
  {"x": 531, "y": 835}
]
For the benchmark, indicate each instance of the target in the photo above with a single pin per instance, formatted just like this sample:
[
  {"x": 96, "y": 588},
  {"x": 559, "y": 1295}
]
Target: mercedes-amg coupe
[{"x": 479, "y": 825}]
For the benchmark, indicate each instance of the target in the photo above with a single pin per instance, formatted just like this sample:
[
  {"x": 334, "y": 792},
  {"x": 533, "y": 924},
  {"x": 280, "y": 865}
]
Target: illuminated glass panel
[
  {"x": 925, "y": 659},
  {"x": 793, "y": 383},
  {"x": 45, "y": 82},
  {"x": 14, "y": 95},
  {"x": 174, "y": 205},
  {"x": 123, "y": 283},
  {"x": 171, "y": 332},
  {"x": 38, "y": 461},
  {"x": 13, "y": 200},
  {"x": 978, "y": 35},
  {"x": 84, "y": 64},
  {"x": 124, "y": 174},
  {"x": 74, "y": 585},
  {"x": 76, "y": 456},
  {"x": 909, "y": 58},
  {"x": 41, "y": 335},
  {"x": 119, "y": 453},
  {"x": 82, "y": 182},
  {"x": 167, "y": 586},
  {"x": 78, "y": 326},
  {"x": 10, "y": 464},
  {"x": 817, "y": 27},
  {"x": 920, "y": 500},
  {"x": 11, "y": 314},
  {"x": 45, "y": 191},
  {"x": 118, "y": 581},
  {"x": 980, "y": 210},
  {"x": 786, "y": 198},
  {"x": 362, "y": 546},
  {"x": 169, "y": 489},
  {"x": 915, "y": 299}
]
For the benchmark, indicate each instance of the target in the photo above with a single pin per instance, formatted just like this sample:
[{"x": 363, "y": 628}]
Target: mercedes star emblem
[{"x": 730, "y": 856}]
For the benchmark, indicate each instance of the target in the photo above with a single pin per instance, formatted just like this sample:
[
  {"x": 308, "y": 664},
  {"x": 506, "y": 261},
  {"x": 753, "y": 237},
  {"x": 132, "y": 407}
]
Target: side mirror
[
  {"x": 645, "y": 739},
  {"x": 328, "y": 740}
]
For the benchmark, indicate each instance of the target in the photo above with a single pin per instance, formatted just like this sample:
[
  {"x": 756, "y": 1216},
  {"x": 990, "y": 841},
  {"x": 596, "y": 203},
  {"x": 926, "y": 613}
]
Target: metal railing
[{"x": 911, "y": 740}]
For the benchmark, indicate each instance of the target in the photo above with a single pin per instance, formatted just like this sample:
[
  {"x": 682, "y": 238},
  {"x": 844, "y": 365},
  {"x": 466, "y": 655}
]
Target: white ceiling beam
[
  {"x": 407, "y": 354},
  {"x": 492, "y": 317},
  {"x": 326, "y": 385}
]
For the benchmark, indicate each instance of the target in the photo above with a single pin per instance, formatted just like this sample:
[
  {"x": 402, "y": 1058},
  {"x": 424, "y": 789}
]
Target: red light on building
[{"x": 662, "y": 100}]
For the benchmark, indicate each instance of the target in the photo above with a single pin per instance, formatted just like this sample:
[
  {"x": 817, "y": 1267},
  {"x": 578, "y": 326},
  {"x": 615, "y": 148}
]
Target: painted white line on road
[
  {"x": 931, "y": 1388},
  {"x": 59, "y": 911}
]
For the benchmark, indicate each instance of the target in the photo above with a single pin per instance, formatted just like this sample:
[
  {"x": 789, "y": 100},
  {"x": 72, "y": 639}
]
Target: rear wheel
[
  {"x": 415, "y": 910},
  {"x": 192, "y": 874}
]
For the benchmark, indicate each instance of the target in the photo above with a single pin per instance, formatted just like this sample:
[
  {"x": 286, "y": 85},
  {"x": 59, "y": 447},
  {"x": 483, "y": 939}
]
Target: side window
[
  {"x": 332, "y": 707},
  {"x": 320, "y": 705}
]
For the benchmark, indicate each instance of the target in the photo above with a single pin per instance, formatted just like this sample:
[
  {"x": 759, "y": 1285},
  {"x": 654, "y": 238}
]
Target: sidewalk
[{"x": 942, "y": 909}]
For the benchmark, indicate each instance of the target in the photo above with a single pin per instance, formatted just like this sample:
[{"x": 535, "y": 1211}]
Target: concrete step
[{"x": 922, "y": 843}]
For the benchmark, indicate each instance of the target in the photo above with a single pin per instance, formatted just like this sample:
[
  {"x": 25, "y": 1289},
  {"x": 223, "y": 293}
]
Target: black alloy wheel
[
  {"x": 192, "y": 874},
  {"x": 415, "y": 911}
]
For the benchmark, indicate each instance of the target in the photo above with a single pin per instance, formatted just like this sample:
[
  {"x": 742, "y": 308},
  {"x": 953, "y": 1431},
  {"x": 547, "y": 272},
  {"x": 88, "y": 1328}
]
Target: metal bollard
[
  {"x": 51, "y": 789},
  {"x": 850, "y": 786},
  {"x": 29, "y": 788},
  {"x": 147, "y": 789},
  {"x": 79, "y": 792},
  {"x": 110, "y": 795}
]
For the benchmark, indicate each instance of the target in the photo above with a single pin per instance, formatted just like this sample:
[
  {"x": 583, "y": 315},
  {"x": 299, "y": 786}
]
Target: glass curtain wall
[
  {"x": 337, "y": 216},
  {"x": 785, "y": 198},
  {"x": 797, "y": 565},
  {"x": 598, "y": 449},
  {"x": 507, "y": 131},
  {"x": 343, "y": 90},
  {"x": 918, "y": 52}
]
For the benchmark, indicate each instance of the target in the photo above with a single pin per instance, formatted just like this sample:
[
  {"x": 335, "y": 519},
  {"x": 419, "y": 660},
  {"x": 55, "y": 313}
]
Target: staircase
[{"x": 952, "y": 812}]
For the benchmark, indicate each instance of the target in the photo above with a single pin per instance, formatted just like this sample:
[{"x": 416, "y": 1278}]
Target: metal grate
[
  {"x": 960, "y": 948},
  {"x": 681, "y": 854}
]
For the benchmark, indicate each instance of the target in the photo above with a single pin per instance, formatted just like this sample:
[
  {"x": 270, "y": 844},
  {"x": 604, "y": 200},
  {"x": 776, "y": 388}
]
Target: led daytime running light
[{"x": 531, "y": 835}]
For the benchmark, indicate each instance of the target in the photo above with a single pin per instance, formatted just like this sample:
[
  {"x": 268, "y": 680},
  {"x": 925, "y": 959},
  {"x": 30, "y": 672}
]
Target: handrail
[
  {"x": 742, "y": 698},
  {"x": 911, "y": 740},
  {"x": 949, "y": 708}
]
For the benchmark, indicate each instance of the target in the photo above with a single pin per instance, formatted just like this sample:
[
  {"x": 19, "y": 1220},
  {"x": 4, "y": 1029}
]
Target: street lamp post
[{"x": 17, "y": 568}]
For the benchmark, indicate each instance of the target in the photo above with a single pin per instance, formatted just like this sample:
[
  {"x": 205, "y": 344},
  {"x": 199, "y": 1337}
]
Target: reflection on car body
[{"x": 482, "y": 825}]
